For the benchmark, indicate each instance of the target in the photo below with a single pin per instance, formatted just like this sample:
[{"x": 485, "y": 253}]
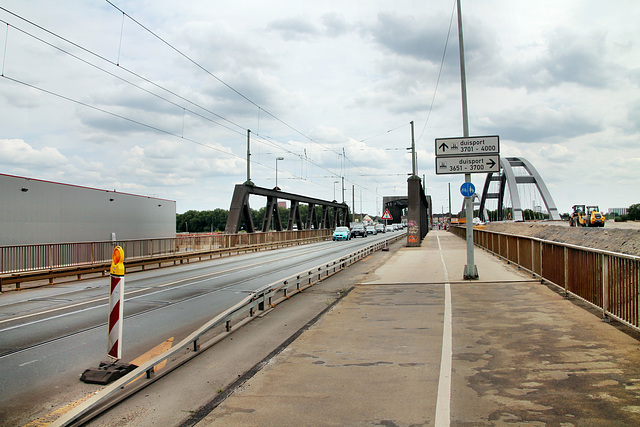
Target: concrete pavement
[{"x": 414, "y": 344}]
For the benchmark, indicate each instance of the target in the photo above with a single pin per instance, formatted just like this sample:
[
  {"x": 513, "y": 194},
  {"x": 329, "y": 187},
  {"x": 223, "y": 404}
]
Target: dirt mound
[{"x": 626, "y": 241}]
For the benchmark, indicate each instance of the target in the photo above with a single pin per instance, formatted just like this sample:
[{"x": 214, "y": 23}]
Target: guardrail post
[
  {"x": 605, "y": 287},
  {"x": 533, "y": 259},
  {"x": 196, "y": 344},
  {"x": 566, "y": 271}
]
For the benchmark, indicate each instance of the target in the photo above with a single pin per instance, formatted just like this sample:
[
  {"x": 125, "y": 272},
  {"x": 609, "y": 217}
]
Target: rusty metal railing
[
  {"x": 607, "y": 280},
  {"x": 46, "y": 261}
]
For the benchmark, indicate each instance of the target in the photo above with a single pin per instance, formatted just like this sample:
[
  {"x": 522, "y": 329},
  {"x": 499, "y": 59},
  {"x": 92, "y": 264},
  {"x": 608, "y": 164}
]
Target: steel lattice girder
[{"x": 239, "y": 209}]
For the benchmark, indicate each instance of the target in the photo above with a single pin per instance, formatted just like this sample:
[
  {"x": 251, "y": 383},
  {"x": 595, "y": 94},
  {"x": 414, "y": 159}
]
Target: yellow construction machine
[{"x": 586, "y": 216}]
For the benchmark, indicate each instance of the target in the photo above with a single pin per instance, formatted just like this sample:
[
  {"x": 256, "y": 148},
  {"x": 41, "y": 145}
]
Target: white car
[{"x": 389, "y": 228}]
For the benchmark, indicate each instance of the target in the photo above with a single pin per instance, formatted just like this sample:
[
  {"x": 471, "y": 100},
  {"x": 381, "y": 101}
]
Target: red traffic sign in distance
[{"x": 387, "y": 214}]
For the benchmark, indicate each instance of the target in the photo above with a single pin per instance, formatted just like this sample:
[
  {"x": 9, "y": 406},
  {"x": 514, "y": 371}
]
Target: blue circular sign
[{"x": 467, "y": 189}]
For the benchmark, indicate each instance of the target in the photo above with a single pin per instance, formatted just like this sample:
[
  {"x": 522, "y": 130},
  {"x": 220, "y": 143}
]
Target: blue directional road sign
[{"x": 467, "y": 189}]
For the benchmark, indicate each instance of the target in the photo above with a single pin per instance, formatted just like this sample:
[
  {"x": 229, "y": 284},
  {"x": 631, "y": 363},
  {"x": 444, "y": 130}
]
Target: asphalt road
[{"x": 50, "y": 335}]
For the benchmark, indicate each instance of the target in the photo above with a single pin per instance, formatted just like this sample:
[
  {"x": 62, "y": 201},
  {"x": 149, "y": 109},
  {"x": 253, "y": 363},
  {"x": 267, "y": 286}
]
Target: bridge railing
[
  {"x": 22, "y": 259},
  {"x": 607, "y": 280}
]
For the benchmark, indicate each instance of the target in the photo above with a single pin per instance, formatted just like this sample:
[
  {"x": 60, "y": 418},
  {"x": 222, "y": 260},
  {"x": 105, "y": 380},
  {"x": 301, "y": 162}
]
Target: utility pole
[
  {"x": 353, "y": 201},
  {"x": 413, "y": 152},
  {"x": 248, "y": 181},
  {"x": 449, "y": 203},
  {"x": 470, "y": 270}
]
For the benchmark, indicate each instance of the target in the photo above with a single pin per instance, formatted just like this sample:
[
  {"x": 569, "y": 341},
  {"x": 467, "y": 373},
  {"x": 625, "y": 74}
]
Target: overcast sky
[{"x": 158, "y": 101}]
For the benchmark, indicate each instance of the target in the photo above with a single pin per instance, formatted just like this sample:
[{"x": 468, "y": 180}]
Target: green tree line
[{"x": 216, "y": 220}]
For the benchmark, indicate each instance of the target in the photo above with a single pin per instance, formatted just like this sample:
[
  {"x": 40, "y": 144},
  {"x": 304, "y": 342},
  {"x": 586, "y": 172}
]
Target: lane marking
[
  {"x": 217, "y": 274},
  {"x": 443, "y": 402}
]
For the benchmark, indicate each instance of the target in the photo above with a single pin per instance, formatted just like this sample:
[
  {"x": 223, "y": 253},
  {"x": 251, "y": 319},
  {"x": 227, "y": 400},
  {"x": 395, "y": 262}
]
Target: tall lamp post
[{"x": 277, "y": 158}]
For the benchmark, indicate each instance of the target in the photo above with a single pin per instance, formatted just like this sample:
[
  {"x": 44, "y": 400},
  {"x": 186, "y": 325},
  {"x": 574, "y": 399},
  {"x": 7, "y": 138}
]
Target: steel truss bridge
[{"x": 240, "y": 211}]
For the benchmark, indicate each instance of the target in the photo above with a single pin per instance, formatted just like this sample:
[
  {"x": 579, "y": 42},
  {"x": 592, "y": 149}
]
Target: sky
[{"x": 155, "y": 97}]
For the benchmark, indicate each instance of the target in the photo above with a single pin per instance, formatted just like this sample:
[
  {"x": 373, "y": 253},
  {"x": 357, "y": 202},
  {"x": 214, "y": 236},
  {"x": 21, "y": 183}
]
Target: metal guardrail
[
  {"x": 49, "y": 261},
  {"x": 607, "y": 280},
  {"x": 243, "y": 312}
]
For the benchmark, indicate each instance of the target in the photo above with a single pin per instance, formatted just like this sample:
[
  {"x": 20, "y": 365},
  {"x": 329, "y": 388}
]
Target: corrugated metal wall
[{"x": 35, "y": 211}]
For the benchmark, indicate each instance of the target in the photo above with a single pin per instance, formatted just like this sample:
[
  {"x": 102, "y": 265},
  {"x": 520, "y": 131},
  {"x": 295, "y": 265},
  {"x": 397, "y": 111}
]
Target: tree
[{"x": 633, "y": 213}]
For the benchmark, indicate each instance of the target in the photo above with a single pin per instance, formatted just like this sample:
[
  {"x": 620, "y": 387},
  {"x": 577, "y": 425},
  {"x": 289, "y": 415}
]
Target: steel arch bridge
[{"x": 508, "y": 179}]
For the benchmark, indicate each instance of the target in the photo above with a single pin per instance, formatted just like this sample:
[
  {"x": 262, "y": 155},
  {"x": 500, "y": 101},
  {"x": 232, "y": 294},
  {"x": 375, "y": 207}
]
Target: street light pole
[
  {"x": 470, "y": 270},
  {"x": 277, "y": 158}
]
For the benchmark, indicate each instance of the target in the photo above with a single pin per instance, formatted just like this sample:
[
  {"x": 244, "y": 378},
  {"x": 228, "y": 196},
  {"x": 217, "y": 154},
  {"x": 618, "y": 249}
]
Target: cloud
[
  {"x": 565, "y": 56},
  {"x": 335, "y": 24},
  {"x": 407, "y": 36},
  {"x": 539, "y": 123},
  {"x": 16, "y": 153},
  {"x": 298, "y": 28}
]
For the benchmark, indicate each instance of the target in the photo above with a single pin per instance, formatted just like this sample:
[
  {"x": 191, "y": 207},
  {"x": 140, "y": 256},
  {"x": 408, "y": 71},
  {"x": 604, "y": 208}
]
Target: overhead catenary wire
[
  {"x": 435, "y": 90},
  {"x": 197, "y": 111},
  {"x": 145, "y": 79},
  {"x": 205, "y": 70}
]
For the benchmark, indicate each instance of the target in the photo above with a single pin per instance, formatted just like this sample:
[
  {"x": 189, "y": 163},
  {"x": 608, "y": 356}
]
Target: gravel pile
[{"x": 626, "y": 241}]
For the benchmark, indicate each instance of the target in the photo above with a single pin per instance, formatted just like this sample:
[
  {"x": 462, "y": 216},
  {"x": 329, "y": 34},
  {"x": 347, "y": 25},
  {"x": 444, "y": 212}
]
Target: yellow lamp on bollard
[{"x": 117, "y": 261}]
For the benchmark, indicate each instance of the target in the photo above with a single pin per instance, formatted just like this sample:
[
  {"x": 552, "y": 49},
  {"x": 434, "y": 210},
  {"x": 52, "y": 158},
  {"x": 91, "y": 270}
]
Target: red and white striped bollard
[{"x": 116, "y": 304}]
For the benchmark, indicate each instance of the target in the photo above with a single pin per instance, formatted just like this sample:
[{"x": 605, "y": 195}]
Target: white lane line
[
  {"x": 443, "y": 402},
  {"x": 128, "y": 297}
]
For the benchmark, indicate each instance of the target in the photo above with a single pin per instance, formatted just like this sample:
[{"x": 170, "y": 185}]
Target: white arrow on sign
[{"x": 471, "y": 164}]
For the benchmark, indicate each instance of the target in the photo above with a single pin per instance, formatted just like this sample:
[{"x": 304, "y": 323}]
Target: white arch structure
[{"x": 507, "y": 178}]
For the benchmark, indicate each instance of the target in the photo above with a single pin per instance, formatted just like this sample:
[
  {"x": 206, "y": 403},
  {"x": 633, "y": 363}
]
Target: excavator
[{"x": 586, "y": 216}]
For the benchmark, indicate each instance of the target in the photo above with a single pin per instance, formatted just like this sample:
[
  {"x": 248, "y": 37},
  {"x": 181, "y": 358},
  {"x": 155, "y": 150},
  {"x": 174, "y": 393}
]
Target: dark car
[{"x": 358, "y": 230}]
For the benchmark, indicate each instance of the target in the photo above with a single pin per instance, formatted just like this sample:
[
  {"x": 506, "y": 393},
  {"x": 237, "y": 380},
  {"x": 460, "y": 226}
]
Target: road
[{"x": 49, "y": 335}]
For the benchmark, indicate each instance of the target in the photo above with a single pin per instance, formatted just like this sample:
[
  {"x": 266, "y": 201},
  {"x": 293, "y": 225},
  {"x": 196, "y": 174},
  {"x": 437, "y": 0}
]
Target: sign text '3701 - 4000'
[{"x": 468, "y": 146}]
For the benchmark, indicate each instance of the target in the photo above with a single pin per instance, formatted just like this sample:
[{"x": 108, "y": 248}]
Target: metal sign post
[{"x": 386, "y": 216}]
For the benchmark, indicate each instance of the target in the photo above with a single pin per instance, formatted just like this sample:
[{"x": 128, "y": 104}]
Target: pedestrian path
[{"x": 414, "y": 344}]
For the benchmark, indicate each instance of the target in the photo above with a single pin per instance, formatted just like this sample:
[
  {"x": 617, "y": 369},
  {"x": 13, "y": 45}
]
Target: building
[
  {"x": 617, "y": 211},
  {"x": 35, "y": 211}
]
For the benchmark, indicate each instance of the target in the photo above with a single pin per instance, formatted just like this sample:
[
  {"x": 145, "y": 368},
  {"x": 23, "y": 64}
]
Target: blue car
[{"x": 342, "y": 233}]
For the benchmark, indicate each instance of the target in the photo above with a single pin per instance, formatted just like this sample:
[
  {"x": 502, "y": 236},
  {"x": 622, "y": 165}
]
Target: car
[
  {"x": 389, "y": 228},
  {"x": 342, "y": 233},
  {"x": 396, "y": 227},
  {"x": 358, "y": 230},
  {"x": 371, "y": 230},
  {"x": 380, "y": 228}
]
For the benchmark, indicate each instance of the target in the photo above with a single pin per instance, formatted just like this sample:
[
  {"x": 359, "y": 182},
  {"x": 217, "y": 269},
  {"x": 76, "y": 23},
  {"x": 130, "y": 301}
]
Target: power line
[
  {"x": 435, "y": 90},
  {"x": 231, "y": 128},
  {"x": 201, "y": 67}
]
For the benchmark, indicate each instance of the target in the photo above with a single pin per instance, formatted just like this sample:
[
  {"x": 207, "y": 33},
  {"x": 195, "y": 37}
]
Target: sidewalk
[{"x": 519, "y": 353}]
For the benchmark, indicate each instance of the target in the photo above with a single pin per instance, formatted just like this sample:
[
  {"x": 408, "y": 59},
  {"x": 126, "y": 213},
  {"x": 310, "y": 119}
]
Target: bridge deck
[{"x": 416, "y": 345}]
